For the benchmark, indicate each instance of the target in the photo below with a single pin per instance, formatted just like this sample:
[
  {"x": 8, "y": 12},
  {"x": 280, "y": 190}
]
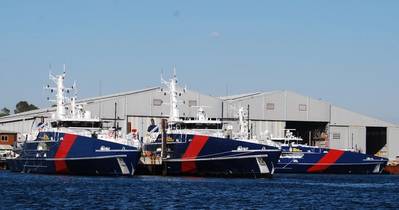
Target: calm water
[{"x": 150, "y": 192}]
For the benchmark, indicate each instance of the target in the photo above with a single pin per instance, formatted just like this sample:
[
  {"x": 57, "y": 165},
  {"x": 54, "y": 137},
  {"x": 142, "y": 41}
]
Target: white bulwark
[{"x": 317, "y": 122}]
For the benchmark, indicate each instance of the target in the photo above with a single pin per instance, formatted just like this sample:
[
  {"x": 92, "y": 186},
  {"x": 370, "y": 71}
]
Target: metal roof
[
  {"x": 247, "y": 95},
  {"x": 45, "y": 111},
  {"x": 5, "y": 147},
  {"x": 5, "y": 131},
  {"x": 117, "y": 94},
  {"x": 340, "y": 116},
  {"x": 233, "y": 97},
  {"x": 22, "y": 115}
]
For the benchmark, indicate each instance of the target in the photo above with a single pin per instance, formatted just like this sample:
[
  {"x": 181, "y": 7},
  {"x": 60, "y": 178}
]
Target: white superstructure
[
  {"x": 71, "y": 117},
  {"x": 202, "y": 125}
]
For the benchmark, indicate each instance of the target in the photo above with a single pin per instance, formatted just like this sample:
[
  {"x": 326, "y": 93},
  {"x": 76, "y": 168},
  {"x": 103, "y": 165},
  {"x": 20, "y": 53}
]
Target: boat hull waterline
[
  {"x": 197, "y": 155},
  {"x": 301, "y": 159},
  {"x": 60, "y": 153}
]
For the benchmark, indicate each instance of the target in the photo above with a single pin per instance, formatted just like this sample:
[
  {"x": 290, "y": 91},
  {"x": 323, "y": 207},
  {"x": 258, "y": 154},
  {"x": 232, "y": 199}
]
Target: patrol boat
[
  {"x": 201, "y": 147},
  {"x": 301, "y": 158},
  {"x": 74, "y": 143}
]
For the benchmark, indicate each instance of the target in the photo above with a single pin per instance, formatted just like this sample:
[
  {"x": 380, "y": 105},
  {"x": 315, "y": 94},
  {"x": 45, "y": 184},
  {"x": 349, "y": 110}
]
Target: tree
[
  {"x": 4, "y": 112},
  {"x": 24, "y": 106}
]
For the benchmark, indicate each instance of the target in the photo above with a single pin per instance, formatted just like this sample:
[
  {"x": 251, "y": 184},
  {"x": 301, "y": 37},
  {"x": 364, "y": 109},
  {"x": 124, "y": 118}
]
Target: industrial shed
[
  {"x": 132, "y": 109},
  {"x": 316, "y": 121},
  {"x": 135, "y": 109}
]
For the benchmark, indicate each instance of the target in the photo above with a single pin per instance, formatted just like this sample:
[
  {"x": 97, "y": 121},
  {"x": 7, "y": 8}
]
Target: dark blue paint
[
  {"x": 33, "y": 161},
  {"x": 348, "y": 163},
  {"x": 217, "y": 148}
]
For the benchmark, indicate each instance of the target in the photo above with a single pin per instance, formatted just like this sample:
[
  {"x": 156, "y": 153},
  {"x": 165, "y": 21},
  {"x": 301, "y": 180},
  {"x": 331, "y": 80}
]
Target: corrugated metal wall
[
  {"x": 139, "y": 108},
  {"x": 281, "y": 106},
  {"x": 268, "y": 111},
  {"x": 348, "y": 137},
  {"x": 393, "y": 142},
  {"x": 23, "y": 126}
]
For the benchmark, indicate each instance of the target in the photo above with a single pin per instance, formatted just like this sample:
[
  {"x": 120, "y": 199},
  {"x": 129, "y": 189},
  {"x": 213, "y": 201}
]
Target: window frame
[
  {"x": 336, "y": 136},
  {"x": 303, "y": 107},
  {"x": 157, "y": 102},
  {"x": 270, "y": 106},
  {"x": 4, "y": 138}
]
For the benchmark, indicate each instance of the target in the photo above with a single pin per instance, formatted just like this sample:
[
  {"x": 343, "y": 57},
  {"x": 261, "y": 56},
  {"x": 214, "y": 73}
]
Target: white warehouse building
[
  {"x": 132, "y": 109},
  {"x": 316, "y": 121}
]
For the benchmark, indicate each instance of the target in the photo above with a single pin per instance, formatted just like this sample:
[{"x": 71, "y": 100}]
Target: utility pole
[
  {"x": 115, "y": 125},
  {"x": 164, "y": 146},
  {"x": 249, "y": 130}
]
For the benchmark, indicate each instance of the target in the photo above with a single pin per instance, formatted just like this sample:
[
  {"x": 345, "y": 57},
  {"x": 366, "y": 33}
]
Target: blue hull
[
  {"x": 194, "y": 155},
  {"x": 59, "y": 153},
  {"x": 304, "y": 159}
]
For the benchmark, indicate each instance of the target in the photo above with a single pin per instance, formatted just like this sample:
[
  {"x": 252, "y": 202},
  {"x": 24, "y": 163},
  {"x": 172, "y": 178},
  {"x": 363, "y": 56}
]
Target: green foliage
[
  {"x": 24, "y": 106},
  {"x": 4, "y": 112}
]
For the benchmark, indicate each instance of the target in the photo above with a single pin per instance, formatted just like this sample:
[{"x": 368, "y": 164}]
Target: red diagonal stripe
[
  {"x": 62, "y": 152},
  {"x": 192, "y": 152},
  {"x": 326, "y": 161}
]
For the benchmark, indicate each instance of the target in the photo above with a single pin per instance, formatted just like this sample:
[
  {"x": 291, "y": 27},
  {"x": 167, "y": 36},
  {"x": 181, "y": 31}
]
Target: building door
[{"x": 376, "y": 139}]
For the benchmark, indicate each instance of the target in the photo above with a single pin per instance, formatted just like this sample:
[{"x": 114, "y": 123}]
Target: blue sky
[{"x": 344, "y": 52}]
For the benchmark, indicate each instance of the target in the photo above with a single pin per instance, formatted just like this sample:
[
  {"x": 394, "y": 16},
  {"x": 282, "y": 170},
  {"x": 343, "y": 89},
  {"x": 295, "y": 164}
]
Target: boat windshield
[
  {"x": 77, "y": 124},
  {"x": 198, "y": 126}
]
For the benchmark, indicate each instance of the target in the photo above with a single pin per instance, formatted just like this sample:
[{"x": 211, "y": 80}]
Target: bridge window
[
  {"x": 4, "y": 138},
  {"x": 77, "y": 124}
]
